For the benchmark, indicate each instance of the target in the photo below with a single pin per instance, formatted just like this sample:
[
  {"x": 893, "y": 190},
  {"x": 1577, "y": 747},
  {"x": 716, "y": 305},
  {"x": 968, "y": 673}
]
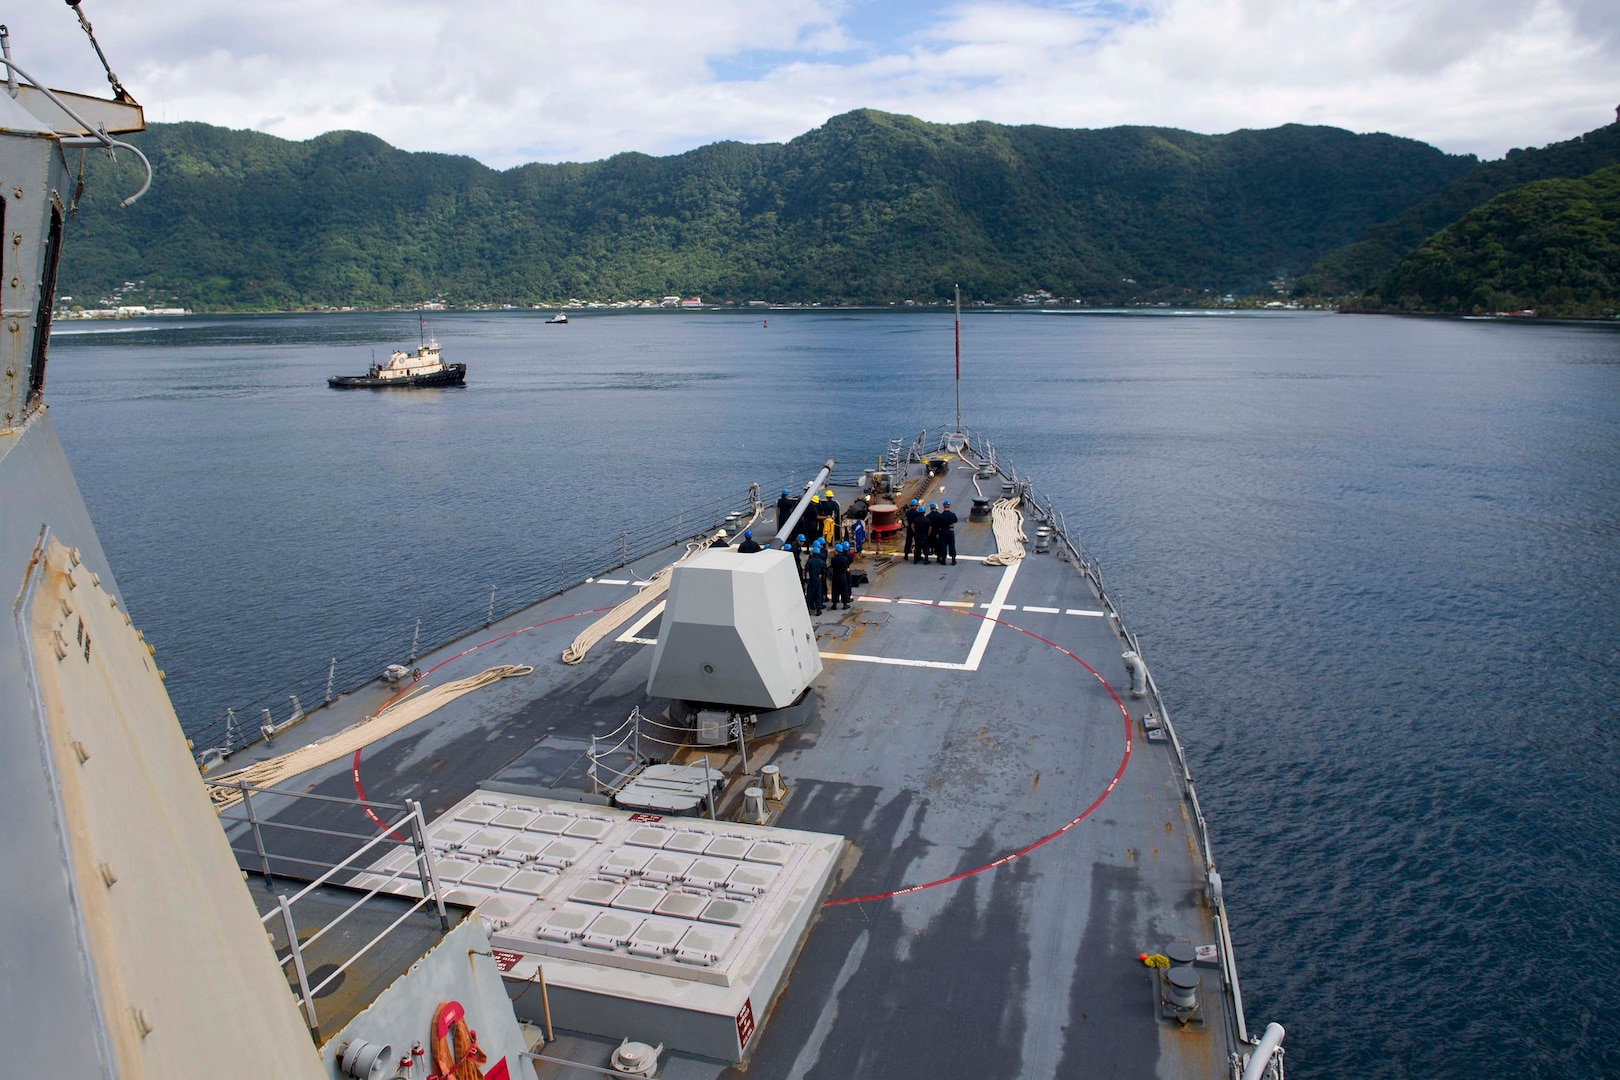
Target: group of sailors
[
  {"x": 930, "y": 531},
  {"x": 824, "y": 520},
  {"x": 824, "y": 571},
  {"x": 826, "y": 549}
]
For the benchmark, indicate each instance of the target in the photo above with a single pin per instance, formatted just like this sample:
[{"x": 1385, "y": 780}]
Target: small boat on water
[
  {"x": 559, "y": 319},
  {"x": 406, "y": 369}
]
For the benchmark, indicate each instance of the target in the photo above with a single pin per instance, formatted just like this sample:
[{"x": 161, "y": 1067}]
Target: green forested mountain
[
  {"x": 1552, "y": 245},
  {"x": 868, "y": 207},
  {"x": 1359, "y": 266}
]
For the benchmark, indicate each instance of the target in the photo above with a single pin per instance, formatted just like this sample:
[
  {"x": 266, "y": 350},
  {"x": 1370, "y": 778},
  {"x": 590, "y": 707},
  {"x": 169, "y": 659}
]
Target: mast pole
[{"x": 959, "y": 359}]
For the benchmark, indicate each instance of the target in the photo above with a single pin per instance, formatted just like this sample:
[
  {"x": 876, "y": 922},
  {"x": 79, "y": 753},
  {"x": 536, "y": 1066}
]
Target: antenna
[{"x": 959, "y": 359}]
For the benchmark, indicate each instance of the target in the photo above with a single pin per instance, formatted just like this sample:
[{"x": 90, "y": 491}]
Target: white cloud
[{"x": 509, "y": 82}]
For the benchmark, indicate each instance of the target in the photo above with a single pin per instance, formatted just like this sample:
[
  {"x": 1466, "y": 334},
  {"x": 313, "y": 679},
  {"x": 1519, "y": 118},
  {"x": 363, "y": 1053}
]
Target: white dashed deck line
[
  {"x": 981, "y": 640},
  {"x": 975, "y": 656}
]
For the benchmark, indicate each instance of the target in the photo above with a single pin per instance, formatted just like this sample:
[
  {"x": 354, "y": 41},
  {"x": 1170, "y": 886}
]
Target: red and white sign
[
  {"x": 505, "y": 959},
  {"x": 646, "y": 817},
  {"x": 745, "y": 1023}
]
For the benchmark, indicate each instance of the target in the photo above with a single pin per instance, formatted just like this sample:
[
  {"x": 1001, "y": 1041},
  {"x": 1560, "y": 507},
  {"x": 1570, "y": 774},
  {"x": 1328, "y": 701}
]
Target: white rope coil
[
  {"x": 1008, "y": 522},
  {"x": 400, "y": 714}
]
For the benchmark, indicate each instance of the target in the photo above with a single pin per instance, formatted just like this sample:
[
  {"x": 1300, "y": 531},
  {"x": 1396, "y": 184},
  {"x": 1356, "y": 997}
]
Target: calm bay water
[{"x": 1373, "y": 561}]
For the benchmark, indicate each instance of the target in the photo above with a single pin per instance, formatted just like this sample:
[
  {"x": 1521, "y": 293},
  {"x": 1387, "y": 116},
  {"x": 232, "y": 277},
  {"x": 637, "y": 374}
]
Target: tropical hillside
[
  {"x": 869, "y": 207},
  {"x": 1552, "y": 246},
  {"x": 1360, "y": 265}
]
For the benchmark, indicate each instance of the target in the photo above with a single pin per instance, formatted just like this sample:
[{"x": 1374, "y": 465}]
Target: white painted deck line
[
  {"x": 897, "y": 661},
  {"x": 633, "y": 631},
  {"x": 981, "y": 640},
  {"x": 1082, "y": 611},
  {"x": 998, "y": 604},
  {"x": 610, "y": 581},
  {"x": 1042, "y": 610}
]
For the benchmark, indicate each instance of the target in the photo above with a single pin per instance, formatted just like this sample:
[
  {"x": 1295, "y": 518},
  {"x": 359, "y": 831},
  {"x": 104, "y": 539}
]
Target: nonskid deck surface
[{"x": 967, "y": 713}]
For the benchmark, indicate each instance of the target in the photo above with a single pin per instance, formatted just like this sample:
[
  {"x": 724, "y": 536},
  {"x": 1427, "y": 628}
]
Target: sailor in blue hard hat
[
  {"x": 915, "y": 537},
  {"x": 784, "y": 509},
  {"x": 749, "y": 545},
  {"x": 931, "y": 532},
  {"x": 796, "y": 545},
  {"x": 839, "y": 565},
  {"x": 815, "y": 580},
  {"x": 945, "y": 534}
]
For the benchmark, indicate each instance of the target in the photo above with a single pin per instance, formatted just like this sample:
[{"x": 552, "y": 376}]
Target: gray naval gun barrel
[{"x": 804, "y": 502}]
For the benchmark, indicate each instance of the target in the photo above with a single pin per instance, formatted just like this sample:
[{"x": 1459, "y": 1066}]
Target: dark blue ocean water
[{"x": 1374, "y": 562}]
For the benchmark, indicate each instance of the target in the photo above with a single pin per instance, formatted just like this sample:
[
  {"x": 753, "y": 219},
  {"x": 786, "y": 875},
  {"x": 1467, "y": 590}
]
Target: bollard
[
  {"x": 754, "y": 805},
  {"x": 771, "y": 776}
]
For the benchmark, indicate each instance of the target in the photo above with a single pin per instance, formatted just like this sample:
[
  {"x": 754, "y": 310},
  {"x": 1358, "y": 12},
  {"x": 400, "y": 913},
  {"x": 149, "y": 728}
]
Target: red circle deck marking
[
  {"x": 359, "y": 789},
  {"x": 1049, "y": 837},
  {"x": 1002, "y": 861}
]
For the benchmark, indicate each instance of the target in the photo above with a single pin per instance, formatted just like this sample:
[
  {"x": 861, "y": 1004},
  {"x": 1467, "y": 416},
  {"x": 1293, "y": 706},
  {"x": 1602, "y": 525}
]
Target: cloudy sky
[{"x": 574, "y": 80}]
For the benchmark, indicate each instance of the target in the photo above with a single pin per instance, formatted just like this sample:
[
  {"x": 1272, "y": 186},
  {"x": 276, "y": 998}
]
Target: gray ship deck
[{"x": 966, "y": 713}]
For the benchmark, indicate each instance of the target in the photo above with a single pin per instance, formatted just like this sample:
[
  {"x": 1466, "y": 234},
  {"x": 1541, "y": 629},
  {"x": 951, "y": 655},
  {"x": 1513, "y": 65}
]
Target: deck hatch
[{"x": 683, "y": 915}]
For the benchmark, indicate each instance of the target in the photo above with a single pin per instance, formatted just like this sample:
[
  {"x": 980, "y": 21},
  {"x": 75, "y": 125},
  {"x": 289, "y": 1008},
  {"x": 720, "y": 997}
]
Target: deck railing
[
  {"x": 1044, "y": 509},
  {"x": 358, "y": 664},
  {"x": 407, "y": 829}
]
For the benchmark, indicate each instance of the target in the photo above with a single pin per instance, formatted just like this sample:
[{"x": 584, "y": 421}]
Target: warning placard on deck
[
  {"x": 745, "y": 1022},
  {"x": 505, "y": 959}
]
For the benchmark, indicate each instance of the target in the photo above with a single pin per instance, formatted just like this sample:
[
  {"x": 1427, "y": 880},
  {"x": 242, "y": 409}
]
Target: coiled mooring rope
[
  {"x": 385, "y": 722},
  {"x": 1008, "y": 522}
]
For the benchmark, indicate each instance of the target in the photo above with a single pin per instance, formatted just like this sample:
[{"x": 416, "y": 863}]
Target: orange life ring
[{"x": 456, "y": 1055}]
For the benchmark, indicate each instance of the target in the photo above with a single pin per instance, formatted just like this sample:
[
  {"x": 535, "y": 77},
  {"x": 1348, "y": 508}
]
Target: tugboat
[
  {"x": 403, "y": 369},
  {"x": 559, "y": 319}
]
